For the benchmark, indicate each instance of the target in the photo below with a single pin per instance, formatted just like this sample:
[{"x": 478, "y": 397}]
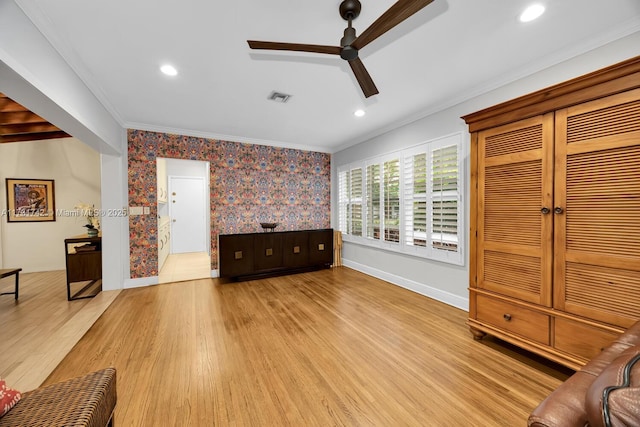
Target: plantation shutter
[
  {"x": 415, "y": 199},
  {"x": 373, "y": 201},
  {"x": 444, "y": 198},
  {"x": 391, "y": 188},
  {"x": 355, "y": 199},
  {"x": 343, "y": 200}
]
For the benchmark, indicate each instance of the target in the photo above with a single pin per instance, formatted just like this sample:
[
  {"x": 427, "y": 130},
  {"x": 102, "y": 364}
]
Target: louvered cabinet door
[
  {"x": 597, "y": 209},
  {"x": 515, "y": 184}
]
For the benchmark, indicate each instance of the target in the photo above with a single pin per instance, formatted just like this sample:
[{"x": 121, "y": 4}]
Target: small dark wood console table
[
  {"x": 11, "y": 272},
  {"x": 253, "y": 255},
  {"x": 84, "y": 263}
]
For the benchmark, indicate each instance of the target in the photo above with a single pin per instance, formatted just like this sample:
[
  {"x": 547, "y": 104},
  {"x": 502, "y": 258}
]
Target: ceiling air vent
[{"x": 279, "y": 97}]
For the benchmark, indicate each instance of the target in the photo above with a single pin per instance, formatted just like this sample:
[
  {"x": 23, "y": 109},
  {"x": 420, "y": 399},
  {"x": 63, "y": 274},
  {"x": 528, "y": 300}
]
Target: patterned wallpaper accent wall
[{"x": 249, "y": 184}]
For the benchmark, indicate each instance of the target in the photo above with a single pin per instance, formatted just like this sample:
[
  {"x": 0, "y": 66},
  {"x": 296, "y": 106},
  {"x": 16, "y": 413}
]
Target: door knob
[
  {"x": 558, "y": 210},
  {"x": 173, "y": 220},
  {"x": 545, "y": 210}
]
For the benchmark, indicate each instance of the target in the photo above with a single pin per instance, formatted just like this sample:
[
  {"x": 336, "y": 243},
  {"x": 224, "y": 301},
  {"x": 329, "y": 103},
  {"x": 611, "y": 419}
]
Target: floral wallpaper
[{"x": 249, "y": 184}]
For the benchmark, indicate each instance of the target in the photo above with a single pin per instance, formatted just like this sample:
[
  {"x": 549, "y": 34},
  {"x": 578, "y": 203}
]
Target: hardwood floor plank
[
  {"x": 333, "y": 347},
  {"x": 41, "y": 327}
]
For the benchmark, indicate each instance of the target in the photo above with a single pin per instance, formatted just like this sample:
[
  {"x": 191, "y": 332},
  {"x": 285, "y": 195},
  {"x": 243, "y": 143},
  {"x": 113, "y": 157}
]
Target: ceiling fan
[{"x": 350, "y": 44}]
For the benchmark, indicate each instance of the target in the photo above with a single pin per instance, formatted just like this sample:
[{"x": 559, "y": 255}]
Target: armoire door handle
[
  {"x": 558, "y": 210},
  {"x": 545, "y": 210}
]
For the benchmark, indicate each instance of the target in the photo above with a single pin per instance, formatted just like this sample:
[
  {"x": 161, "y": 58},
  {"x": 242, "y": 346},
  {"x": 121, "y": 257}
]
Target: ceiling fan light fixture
[
  {"x": 169, "y": 70},
  {"x": 532, "y": 12}
]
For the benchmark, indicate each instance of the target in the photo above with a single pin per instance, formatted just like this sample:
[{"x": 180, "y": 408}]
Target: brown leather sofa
[{"x": 605, "y": 392}]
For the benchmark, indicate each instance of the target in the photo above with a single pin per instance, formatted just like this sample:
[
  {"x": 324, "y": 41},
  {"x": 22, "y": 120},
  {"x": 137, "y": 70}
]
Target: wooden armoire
[{"x": 555, "y": 216}]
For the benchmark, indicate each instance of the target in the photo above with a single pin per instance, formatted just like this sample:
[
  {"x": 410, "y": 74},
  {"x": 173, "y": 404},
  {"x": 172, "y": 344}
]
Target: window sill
[{"x": 449, "y": 257}]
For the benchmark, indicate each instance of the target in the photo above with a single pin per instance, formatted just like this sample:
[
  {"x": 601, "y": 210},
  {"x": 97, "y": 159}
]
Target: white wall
[
  {"x": 75, "y": 169},
  {"x": 34, "y": 74},
  {"x": 445, "y": 282},
  {"x": 115, "y": 229},
  {"x": 181, "y": 167}
]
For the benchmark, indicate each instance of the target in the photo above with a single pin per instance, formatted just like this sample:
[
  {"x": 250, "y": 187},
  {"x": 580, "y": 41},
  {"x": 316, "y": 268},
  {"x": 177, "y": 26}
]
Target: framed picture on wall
[{"x": 30, "y": 200}]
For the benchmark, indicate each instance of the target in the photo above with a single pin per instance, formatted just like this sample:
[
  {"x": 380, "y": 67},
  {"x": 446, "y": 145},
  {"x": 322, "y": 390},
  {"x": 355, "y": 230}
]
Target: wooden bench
[{"x": 11, "y": 272}]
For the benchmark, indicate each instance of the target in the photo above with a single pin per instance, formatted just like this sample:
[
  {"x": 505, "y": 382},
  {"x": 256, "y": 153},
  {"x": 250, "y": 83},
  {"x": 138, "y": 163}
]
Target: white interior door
[{"x": 187, "y": 212}]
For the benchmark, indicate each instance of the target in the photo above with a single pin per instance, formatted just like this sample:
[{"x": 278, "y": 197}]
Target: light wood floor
[
  {"x": 329, "y": 348},
  {"x": 39, "y": 329},
  {"x": 187, "y": 266}
]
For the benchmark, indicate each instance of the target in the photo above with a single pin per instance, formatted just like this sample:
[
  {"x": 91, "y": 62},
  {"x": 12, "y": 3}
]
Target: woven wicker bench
[{"x": 84, "y": 401}]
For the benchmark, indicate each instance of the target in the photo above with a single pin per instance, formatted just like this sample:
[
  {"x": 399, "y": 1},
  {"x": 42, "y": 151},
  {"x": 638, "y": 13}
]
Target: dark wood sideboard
[{"x": 253, "y": 255}]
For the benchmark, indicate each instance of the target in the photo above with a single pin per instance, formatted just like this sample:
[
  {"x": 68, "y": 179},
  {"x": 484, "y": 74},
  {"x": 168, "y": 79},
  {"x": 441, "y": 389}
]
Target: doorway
[{"x": 185, "y": 211}]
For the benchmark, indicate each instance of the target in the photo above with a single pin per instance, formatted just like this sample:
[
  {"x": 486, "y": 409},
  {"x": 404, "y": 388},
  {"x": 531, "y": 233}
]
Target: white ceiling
[{"x": 450, "y": 51}]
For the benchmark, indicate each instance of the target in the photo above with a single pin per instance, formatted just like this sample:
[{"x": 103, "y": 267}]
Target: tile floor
[{"x": 187, "y": 266}]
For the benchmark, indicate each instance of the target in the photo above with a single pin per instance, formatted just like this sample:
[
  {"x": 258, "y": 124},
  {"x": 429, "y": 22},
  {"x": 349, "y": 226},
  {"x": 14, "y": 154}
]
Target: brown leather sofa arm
[
  {"x": 564, "y": 407},
  {"x": 614, "y": 397},
  {"x": 567, "y": 405}
]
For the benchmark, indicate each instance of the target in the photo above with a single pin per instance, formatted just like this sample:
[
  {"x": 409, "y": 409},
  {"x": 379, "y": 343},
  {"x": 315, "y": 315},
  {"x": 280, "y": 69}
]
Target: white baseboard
[
  {"x": 139, "y": 283},
  {"x": 420, "y": 288}
]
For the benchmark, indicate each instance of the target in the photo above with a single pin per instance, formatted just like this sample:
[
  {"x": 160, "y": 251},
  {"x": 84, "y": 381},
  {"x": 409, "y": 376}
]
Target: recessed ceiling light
[
  {"x": 169, "y": 70},
  {"x": 532, "y": 12},
  {"x": 359, "y": 113}
]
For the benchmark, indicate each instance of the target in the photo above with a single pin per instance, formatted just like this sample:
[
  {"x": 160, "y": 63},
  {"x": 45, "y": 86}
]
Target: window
[{"x": 408, "y": 201}]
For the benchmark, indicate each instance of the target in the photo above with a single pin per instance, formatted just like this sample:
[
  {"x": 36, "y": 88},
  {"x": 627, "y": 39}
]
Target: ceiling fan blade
[
  {"x": 364, "y": 79},
  {"x": 397, "y": 13},
  {"x": 298, "y": 47}
]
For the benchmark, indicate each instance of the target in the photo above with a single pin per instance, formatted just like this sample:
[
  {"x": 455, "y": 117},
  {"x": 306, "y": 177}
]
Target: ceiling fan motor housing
[
  {"x": 350, "y": 9},
  {"x": 348, "y": 53}
]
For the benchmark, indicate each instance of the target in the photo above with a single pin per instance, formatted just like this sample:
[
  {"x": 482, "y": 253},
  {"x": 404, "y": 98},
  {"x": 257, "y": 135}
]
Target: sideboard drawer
[
  {"x": 236, "y": 254},
  {"x": 514, "y": 318}
]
